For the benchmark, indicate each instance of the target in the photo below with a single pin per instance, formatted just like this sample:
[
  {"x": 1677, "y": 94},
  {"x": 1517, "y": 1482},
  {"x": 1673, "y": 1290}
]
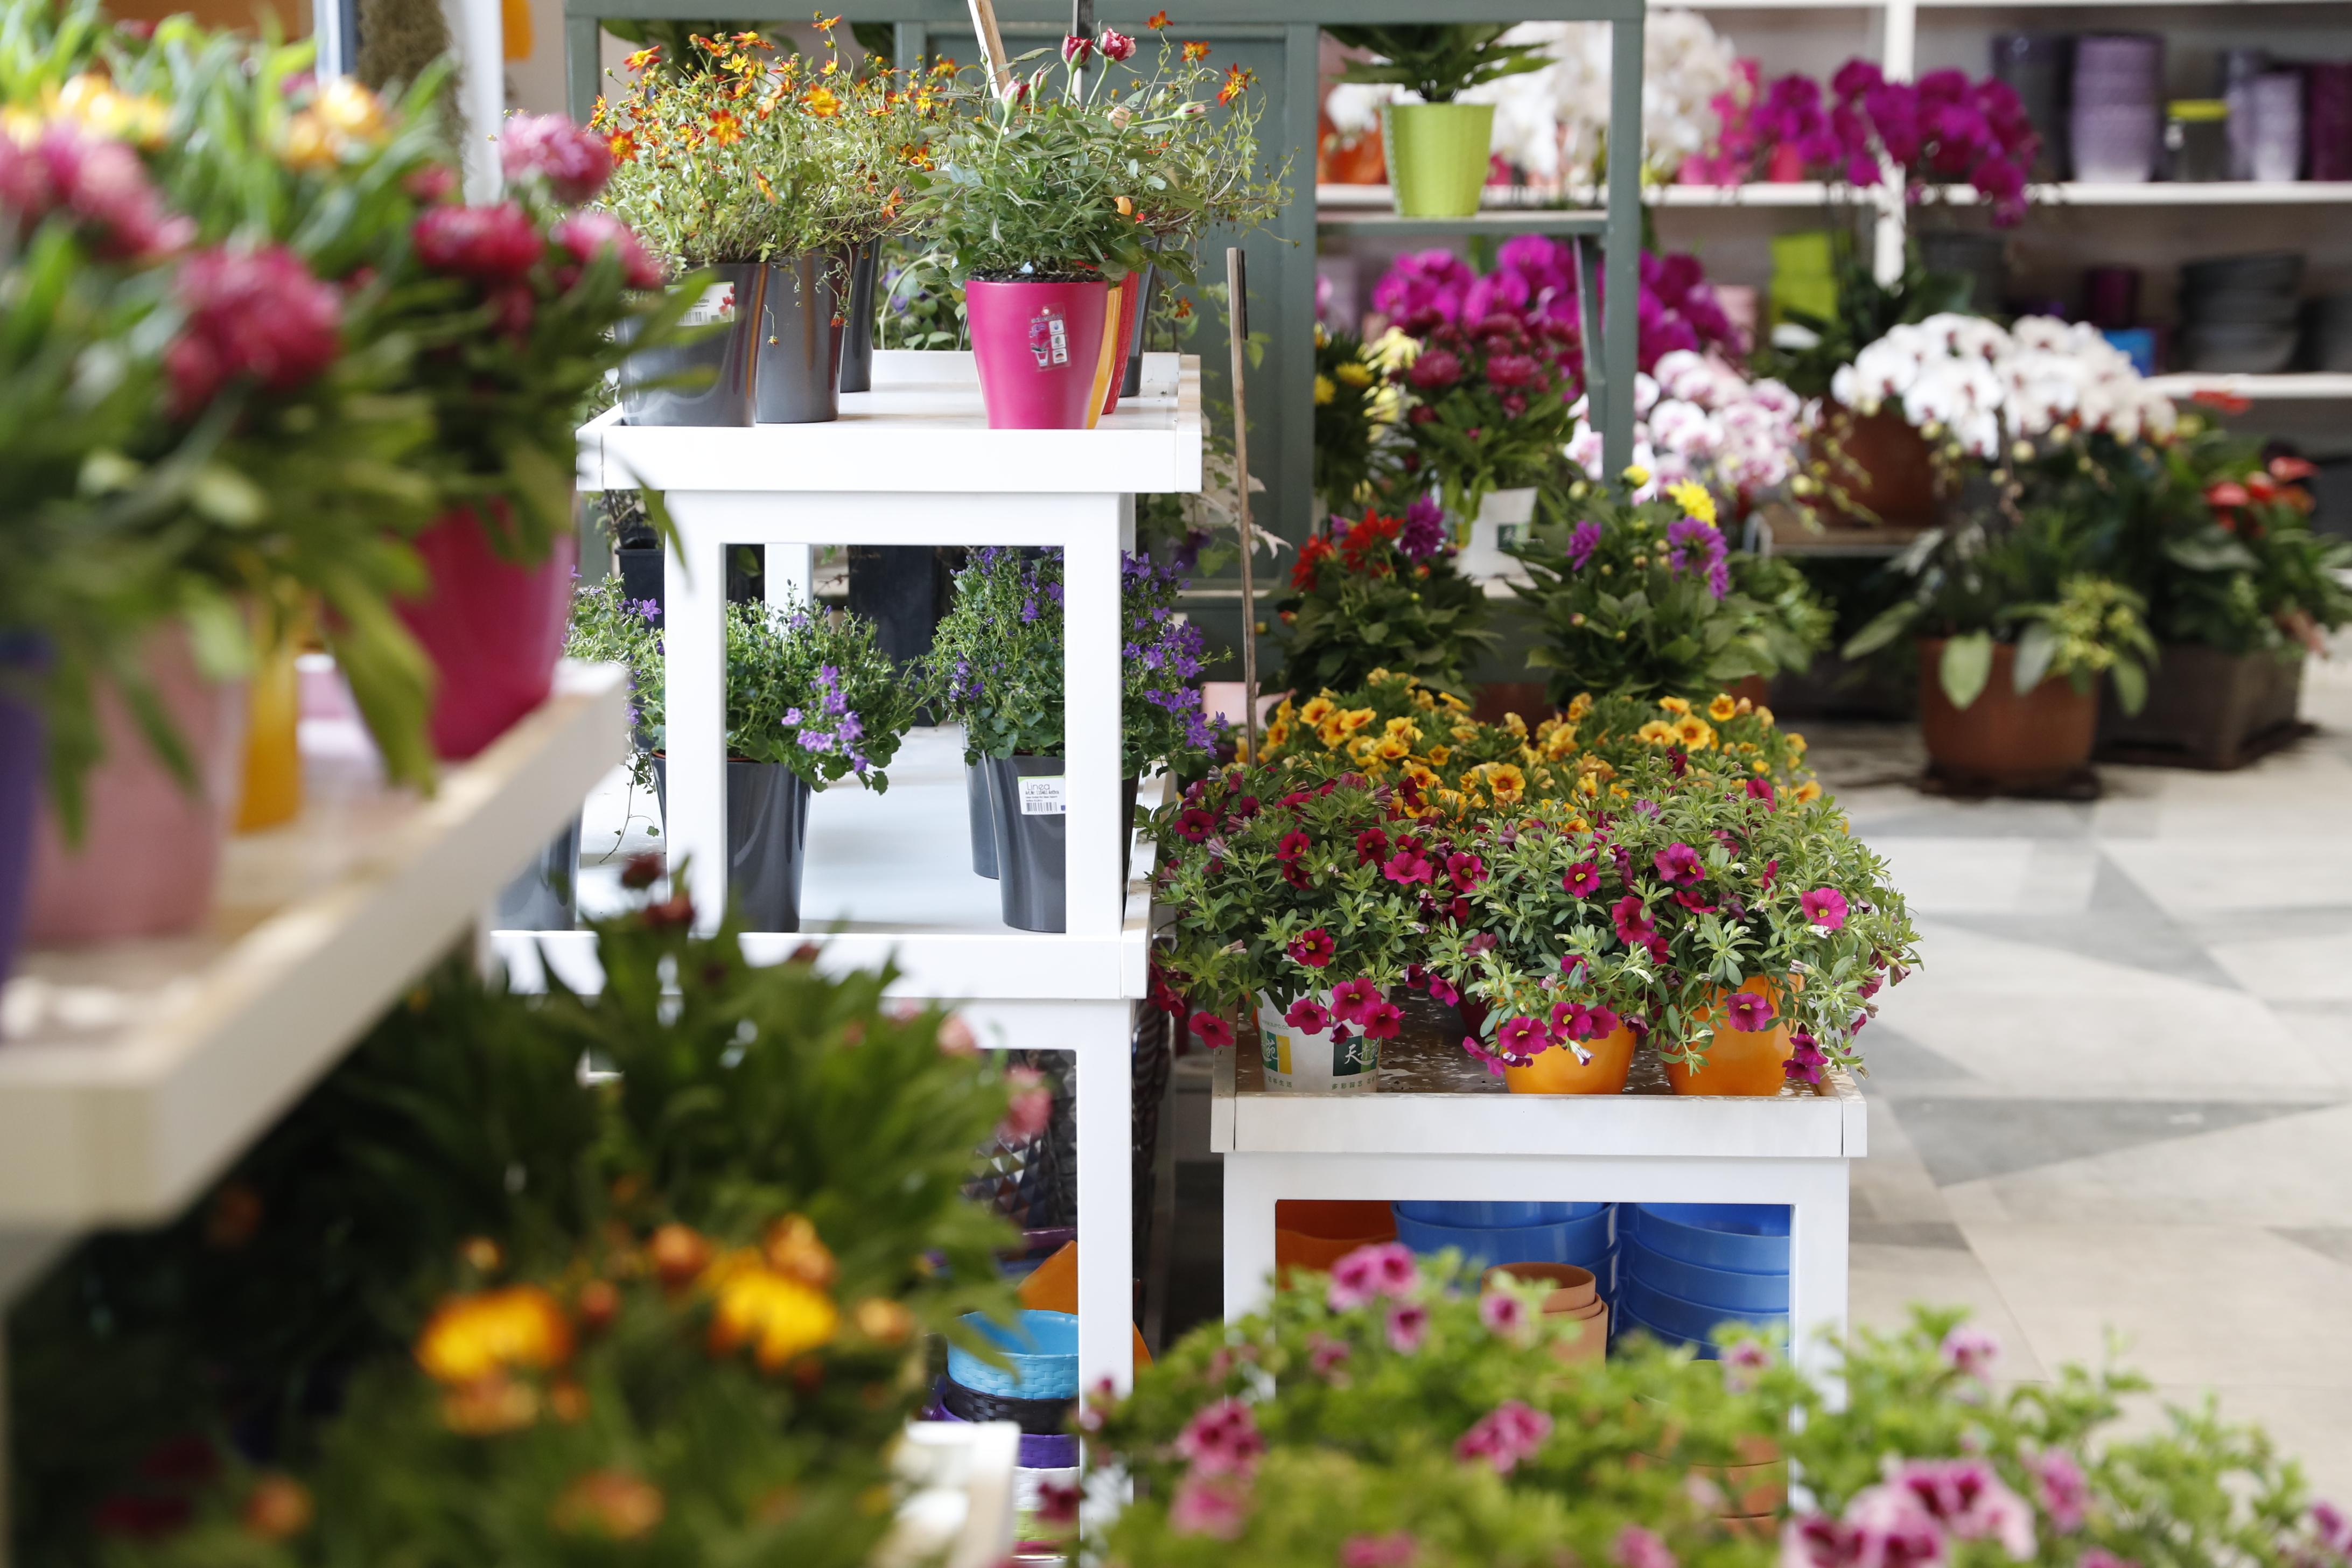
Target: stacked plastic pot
[
  {"x": 1036, "y": 1390},
  {"x": 1569, "y": 1246},
  {"x": 1686, "y": 1270}
]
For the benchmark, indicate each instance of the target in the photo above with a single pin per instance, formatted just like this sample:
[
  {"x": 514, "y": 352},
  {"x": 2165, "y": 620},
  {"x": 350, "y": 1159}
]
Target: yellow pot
[{"x": 272, "y": 792}]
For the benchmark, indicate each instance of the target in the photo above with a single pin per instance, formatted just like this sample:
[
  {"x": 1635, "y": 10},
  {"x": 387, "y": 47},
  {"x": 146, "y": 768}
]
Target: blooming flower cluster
[
  {"x": 96, "y": 181},
  {"x": 1968, "y": 382},
  {"x": 1696, "y": 418},
  {"x": 1553, "y": 123},
  {"x": 832, "y": 708}
]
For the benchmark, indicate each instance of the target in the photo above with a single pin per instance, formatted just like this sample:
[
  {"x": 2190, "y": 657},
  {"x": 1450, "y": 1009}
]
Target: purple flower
[
  {"x": 1806, "y": 1061},
  {"x": 1425, "y": 534},
  {"x": 1582, "y": 543},
  {"x": 1692, "y": 545}
]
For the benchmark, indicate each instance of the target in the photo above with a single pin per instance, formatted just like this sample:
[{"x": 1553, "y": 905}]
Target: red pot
[
  {"x": 493, "y": 630},
  {"x": 1130, "y": 296}
]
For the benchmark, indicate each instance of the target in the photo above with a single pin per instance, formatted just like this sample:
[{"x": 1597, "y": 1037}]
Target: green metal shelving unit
[{"x": 1279, "y": 40}]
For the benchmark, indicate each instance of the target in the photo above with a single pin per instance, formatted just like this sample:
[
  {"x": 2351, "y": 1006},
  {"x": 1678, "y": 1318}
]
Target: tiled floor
[{"x": 2117, "y": 1096}]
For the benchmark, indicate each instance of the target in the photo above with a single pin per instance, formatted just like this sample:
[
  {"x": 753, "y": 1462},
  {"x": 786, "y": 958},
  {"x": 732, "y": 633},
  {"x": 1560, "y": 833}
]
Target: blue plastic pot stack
[
  {"x": 1686, "y": 1269},
  {"x": 1036, "y": 1391},
  {"x": 1488, "y": 1235}
]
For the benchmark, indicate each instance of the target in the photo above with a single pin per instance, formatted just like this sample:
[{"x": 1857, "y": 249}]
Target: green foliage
[
  {"x": 1439, "y": 61},
  {"x": 1641, "y": 598},
  {"x": 1365, "y": 604},
  {"x": 1792, "y": 624},
  {"x": 459, "y": 1147}
]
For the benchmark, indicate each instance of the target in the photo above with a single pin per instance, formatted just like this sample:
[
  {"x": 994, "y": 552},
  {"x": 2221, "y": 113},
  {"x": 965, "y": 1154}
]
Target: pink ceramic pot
[
  {"x": 1038, "y": 350},
  {"x": 493, "y": 630},
  {"x": 151, "y": 848}
]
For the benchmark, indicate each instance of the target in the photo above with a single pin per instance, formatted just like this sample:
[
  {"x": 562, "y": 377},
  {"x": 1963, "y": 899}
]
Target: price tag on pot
[
  {"x": 1049, "y": 338},
  {"x": 1045, "y": 797},
  {"x": 717, "y": 304}
]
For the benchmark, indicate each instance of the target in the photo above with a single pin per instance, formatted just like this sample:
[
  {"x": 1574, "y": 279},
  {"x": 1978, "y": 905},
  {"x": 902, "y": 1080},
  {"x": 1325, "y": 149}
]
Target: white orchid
[{"x": 1553, "y": 122}]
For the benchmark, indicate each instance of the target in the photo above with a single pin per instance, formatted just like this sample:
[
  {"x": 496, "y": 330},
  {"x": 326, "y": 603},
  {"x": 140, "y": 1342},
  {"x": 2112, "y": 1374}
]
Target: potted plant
[
  {"x": 536, "y": 300},
  {"x": 2016, "y": 600},
  {"x": 1355, "y": 409},
  {"x": 1381, "y": 593},
  {"x": 1437, "y": 148},
  {"x": 996, "y": 667},
  {"x": 2239, "y": 588},
  {"x": 687, "y": 178},
  {"x": 1045, "y": 194},
  {"x": 811, "y": 699},
  {"x": 1646, "y": 596}
]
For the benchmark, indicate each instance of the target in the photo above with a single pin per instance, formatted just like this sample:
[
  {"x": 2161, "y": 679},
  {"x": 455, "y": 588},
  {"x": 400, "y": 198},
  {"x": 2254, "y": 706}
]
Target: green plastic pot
[{"x": 1437, "y": 157}]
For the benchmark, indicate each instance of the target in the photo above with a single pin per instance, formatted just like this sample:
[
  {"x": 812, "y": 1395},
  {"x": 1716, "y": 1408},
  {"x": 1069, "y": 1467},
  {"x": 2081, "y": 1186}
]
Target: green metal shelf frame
[{"x": 1281, "y": 39}]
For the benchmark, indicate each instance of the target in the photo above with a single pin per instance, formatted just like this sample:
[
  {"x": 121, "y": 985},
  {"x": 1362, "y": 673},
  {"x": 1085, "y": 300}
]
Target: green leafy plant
[
  {"x": 458, "y": 1280},
  {"x": 1439, "y": 61},
  {"x": 1353, "y": 410},
  {"x": 1643, "y": 597},
  {"x": 995, "y": 665},
  {"x": 1381, "y": 593},
  {"x": 688, "y": 175},
  {"x": 607, "y": 626}
]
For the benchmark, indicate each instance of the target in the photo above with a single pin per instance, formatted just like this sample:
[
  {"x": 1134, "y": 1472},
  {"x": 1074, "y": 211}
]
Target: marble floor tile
[
  {"x": 2247, "y": 868},
  {"x": 2312, "y": 967},
  {"x": 1893, "y": 1185},
  {"x": 2194, "y": 1305},
  {"x": 1887, "y": 1280},
  {"x": 1975, "y": 1139}
]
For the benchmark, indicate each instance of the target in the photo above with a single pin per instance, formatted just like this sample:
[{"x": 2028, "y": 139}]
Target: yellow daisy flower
[
  {"x": 1326, "y": 389},
  {"x": 1317, "y": 710},
  {"x": 1355, "y": 373},
  {"x": 1692, "y": 497}
]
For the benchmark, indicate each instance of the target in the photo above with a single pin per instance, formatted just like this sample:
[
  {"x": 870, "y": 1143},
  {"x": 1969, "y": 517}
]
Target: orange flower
[
  {"x": 610, "y": 1503},
  {"x": 1126, "y": 207},
  {"x": 1236, "y": 79},
  {"x": 725, "y": 129},
  {"x": 760, "y": 178},
  {"x": 478, "y": 1336},
  {"x": 644, "y": 58},
  {"x": 1195, "y": 52},
  {"x": 822, "y": 102},
  {"x": 1157, "y": 20},
  {"x": 624, "y": 146},
  {"x": 827, "y": 24}
]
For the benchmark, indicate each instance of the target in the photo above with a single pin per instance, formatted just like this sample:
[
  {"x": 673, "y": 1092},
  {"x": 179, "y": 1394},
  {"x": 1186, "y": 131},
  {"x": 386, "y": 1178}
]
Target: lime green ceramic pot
[{"x": 1437, "y": 157}]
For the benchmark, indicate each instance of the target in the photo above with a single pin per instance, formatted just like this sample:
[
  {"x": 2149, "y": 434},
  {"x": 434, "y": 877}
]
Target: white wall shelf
[
  {"x": 2306, "y": 386},
  {"x": 131, "y": 1073}
]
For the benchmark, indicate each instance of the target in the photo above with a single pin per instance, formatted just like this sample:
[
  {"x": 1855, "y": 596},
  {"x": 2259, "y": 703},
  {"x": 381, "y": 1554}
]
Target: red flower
[
  {"x": 1194, "y": 825},
  {"x": 1157, "y": 20},
  {"x": 1435, "y": 370},
  {"x": 1583, "y": 879},
  {"x": 1292, "y": 846},
  {"x": 1115, "y": 45},
  {"x": 1236, "y": 81},
  {"x": 1353, "y": 1000},
  {"x": 1302, "y": 571},
  {"x": 2226, "y": 402},
  {"x": 1371, "y": 844},
  {"x": 1513, "y": 370},
  {"x": 257, "y": 313},
  {"x": 1308, "y": 1017},
  {"x": 1212, "y": 1031},
  {"x": 2222, "y": 494},
  {"x": 1407, "y": 867},
  {"x": 489, "y": 245},
  {"x": 574, "y": 163},
  {"x": 1075, "y": 49},
  {"x": 1679, "y": 865},
  {"x": 588, "y": 236},
  {"x": 1381, "y": 1021},
  {"x": 1313, "y": 947},
  {"x": 435, "y": 183},
  {"x": 1468, "y": 871},
  {"x": 2289, "y": 470},
  {"x": 1633, "y": 920}
]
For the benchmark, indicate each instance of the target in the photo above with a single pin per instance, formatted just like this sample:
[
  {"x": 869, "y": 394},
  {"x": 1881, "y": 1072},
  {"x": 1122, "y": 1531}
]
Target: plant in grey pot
[{"x": 996, "y": 667}]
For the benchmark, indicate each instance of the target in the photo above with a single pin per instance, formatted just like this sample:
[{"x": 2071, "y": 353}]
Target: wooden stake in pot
[
  {"x": 992, "y": 46},
  {"x": 1237, "y": 300}
]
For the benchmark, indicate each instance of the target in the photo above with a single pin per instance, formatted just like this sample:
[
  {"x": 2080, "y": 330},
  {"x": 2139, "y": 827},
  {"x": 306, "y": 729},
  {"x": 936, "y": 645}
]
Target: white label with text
[{"x": 1045, "y": 797}]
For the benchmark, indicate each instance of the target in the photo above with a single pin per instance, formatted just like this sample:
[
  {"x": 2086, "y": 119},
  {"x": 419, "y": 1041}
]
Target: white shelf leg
[
  {"x": 694, "y": 607},
  {"x": 1091, "y": 685},
  {"x": 1106, "y": 1194},
  {"x": 1250, "y": 1194},
  {"x": 1817, "y": 1261}
]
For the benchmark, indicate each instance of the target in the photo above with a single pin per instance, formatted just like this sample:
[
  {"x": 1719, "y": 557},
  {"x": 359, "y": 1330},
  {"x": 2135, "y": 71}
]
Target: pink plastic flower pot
[
  {"x": 493, "y": 630},
  {"x": 151, "y": 848},
  {"x": 1038, "y": 351}
]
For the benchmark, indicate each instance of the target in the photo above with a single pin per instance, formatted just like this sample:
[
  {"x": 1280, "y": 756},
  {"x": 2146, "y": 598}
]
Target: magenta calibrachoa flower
[
  {"x": 1353, "y": 1000},
  {"x": 1222, "y": 1439},
  {"x": 1970, "y": 1351},
  {"x": 1383, "y": 1268},
  {"x": 1749, "y": 1012},
  {"x": 1212, "y": 1031},
  {"x": 1824, "y": 907},
  {"x": 1509, "y": 1433},
  {"x": 1408, "y": 1325},
  {"x": 1307, "y": 1015}
]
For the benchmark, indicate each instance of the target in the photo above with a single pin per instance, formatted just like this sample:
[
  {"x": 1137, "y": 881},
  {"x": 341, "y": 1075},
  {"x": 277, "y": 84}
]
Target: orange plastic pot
[
  {"x": 1316, "y": 1233},
  {"x": 1747, "y": 1062},
  {"x": 1557, "y": 1071},
  {"x": 1575, "y": 1297}
]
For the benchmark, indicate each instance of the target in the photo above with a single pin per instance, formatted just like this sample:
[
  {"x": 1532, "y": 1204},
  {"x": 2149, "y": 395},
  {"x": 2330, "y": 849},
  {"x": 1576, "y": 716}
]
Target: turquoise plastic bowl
[
  {"x": 1689, "y": 1321},
  {"x": 1584, "y": 1242},
  {"x": 1728, "y": 1288},
  {"x": 1489, "y": 1216},
  {"x": 1043, "y": 1350},
  {"x": 1751, "y": 1239}
]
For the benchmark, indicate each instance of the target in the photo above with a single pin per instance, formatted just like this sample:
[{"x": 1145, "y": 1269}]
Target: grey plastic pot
[
  {"x": 546, "y": 895},
  {"x": 718, "y": 372},
  {"x": 1033, "y": 844},
  {"x": 800, "y": 344},
  {"x": 767, "y": 839},
  {"x": 858, "y": 332},
  {"x": 983, "y": 823},
  {"x": 1131, "y": 383}
]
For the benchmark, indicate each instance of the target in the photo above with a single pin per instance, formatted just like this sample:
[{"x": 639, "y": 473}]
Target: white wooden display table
[
  {"x": 914, "y": 463},
  {"x": 1445, "y": 1131},
  {"x": 132, "y": 1072}
]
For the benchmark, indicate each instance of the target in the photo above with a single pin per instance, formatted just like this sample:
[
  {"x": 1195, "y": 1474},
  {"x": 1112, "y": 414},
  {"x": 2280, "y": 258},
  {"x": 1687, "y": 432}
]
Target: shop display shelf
[
  {"x": 131, "y": 1073},
  {"x": 2292, "y": 386}
]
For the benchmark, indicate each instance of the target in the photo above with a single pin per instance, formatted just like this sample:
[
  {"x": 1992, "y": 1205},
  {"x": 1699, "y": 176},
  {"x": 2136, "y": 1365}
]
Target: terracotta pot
[
  {"x": 1746, "y": 1062},
  {"x": 1315, "y": 1234},
  {"x": 1880, "y": 471},
  {"x": 2005, "y": 739},
  {"x": 1574, "y": 1289},
  {"x": 1755, "y": 687},
  {"x": 1524, "y": 698},
  {"x": 492, "y": 628},
  {"x": 150, "y": 855},
  {"x": 1556, "y": 1070}
]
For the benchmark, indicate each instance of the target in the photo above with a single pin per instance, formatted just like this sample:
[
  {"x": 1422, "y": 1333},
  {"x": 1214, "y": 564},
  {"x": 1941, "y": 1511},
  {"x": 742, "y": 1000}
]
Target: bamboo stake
[
  {"x": 1237, "y": 302},
  {"x": 992, "y": 46}
]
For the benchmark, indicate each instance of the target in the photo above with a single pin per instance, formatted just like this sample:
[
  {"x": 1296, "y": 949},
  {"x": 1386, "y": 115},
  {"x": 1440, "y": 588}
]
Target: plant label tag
[
  {"x": 717, "y": 304},
  {"x": 1045, "y": 797},
  {"x": 1049, "y": 339},
  {"x": 1510, "y": 535}
]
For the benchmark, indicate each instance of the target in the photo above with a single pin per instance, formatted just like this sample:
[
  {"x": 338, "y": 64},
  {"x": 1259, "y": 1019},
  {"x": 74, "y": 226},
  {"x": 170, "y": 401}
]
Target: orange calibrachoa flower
[
  {"x": 822, "y": 102},
  {"x": 482, "y": 1335},
  {"x": 725, "y": 129},
  {"x": 623, "y": 145}
]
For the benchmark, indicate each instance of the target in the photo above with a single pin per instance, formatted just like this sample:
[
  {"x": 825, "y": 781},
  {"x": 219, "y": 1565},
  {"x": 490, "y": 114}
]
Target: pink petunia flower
[
  {"x": 2065, "y": 1494},
  {"x": 1213, "y": 1505},
  {"x": 1748, "y": 1012},
  {"x": 1679, "y": 864},
  {"x": 1381, "y": 1021},
  {"x": 1824, "y": 907},
  {"x": 1466, "y": 871},
  {"x": 1313, "y": 947},
  {"x": 1212, "y": 1031},
  {"x": 1352, "y": 999},
  {"x": 1583, "y": 879},
  {"x": 1407, "y": 867},
  {"x": 1634, "y": 926},
  {"x": 1408, "y": 1325},
  {"x": 1308, "y": 1017},
  {"x": 1382, "y": 1268},
  {"x": 1970, "y": 1501},
  {"x": 1502, "y": 1313},
  {"x": 1222, "y": 1439}
]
